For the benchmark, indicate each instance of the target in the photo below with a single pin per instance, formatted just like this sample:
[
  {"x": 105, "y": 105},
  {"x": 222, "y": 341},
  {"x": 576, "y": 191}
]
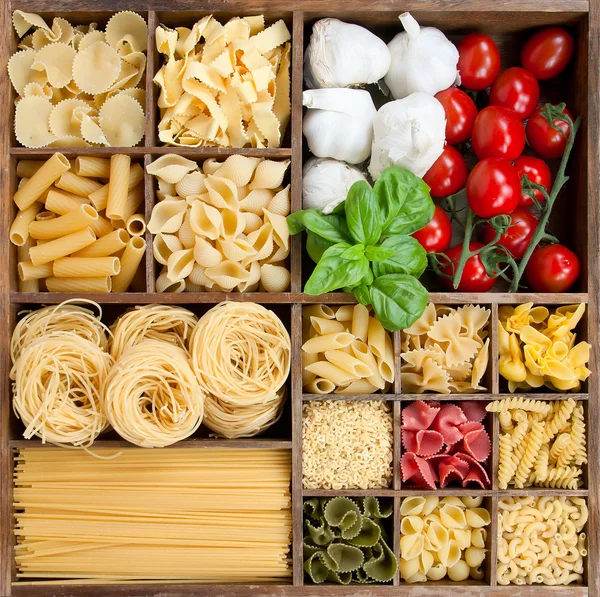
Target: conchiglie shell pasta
[
  {"x": 233, "y": 223},
  {"x": 252, "y": 222},
  {"x": 239, "y": 169},
  {"x": 236, "y": 249},
  {"x": 205, "y": 254},
  {"x": 180, "y": 264},
  {"x": 262, "y": 241},
  {"x": 280, "y": 204},
  {"x": 167, "y": 216},
  {"x": 205, "y": 220},
  {"x": 281, "y": 233},
  {"x": 164, "y": 284},
  {"x": 222, "y": 192},
  {"x": 274, "y": 278},
  {"x": 192, "y": 183},
  {"x": 227, "y": 274},
  {"x": 253, "y": 280},
  {"x": 185, "y": 234},
  {"x": 256, "y": 201},
  {"x": 199, "y": 278},
  {"x": 269, "y": 174},
  {"x": 171, "y": 168}
]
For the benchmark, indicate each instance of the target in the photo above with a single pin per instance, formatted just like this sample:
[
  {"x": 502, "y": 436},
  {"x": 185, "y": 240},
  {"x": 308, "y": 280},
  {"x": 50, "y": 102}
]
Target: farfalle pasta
[
  {"x": 77, "y": 228},
  {"x": 442, "y": 537},
  {"x": 221, "y": 226},
  {"x": 537, "y": 348},
  {"x": 79, "y": 86},
  {"x": 446, "y": 350},
  {"x": 224, "y": 85},
  {"x": 541, "y": 540},
  {"x": 541, "y": 443}
]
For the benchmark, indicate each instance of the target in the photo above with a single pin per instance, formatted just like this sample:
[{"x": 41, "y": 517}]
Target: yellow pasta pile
[
  {"x": 77, "y": 228},
  {"x": 541, "y": 540},
  {"x": 241, "y": 357},
  {"x": 208, "y": 516},
  {"x": 442, "y": 537},
  {"x": 446, "y": 350},
  {"x": 225, "y": 85},
  {"x": 79, "y": 86},
  {"x": 221, "y": 227},
  {"x": 347, "y": 351},
  {"x": 537, "y": 348},
  {"x": 541, "y": 443}
]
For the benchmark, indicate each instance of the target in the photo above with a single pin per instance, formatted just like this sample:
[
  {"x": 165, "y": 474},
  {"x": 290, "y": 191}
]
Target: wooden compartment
[{"x": 575, "y": 221}]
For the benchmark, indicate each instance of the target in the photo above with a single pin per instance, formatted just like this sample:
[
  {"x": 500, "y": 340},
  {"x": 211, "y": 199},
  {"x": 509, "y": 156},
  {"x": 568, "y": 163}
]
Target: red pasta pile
[{"x": 444, "y": 443}]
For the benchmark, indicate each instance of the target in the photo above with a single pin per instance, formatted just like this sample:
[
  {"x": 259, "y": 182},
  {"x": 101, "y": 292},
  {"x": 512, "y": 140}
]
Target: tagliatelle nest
[{"x": 66, "y": 75}]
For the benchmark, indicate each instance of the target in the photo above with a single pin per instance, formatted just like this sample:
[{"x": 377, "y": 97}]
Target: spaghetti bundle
[
  {"x": 208, "y": 516},
  {"x": 152, "y": 397},
  {"x": 154, "y": 322},
  {"x": 241, "y": 356},
  {"x": 57, "y": 389}
]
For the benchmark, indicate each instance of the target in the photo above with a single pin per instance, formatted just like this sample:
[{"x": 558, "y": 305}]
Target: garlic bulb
[
  {"x": 339, "y": 123},
  {"x": 409, "y": 133},
  {"x": 344, "y": 55},
  {"x": 423, "y": 59},
  {"x": 325, "y": 183}
]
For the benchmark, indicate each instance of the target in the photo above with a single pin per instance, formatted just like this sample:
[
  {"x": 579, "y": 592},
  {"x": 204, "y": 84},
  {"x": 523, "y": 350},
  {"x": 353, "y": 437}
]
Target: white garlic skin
[
  {"x": 423, "y": 59},
  {"x": 326, "y": 182},
  {"x": 339, "y": 123},
  {"x": 409, "y": 133},
  {"x": 344, "y": 55}
]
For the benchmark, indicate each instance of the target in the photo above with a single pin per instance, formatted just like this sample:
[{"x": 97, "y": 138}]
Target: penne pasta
[
  {"x": 27, "y": 168},
  {"x": 28, "y": 271},
  {"x": 136, "y": 225},
  {"x": 73, "y": 221},
  {"x": 19, "y": 230},
  {"x": 376, "y": 338},
  {"x": 360, "y": 322},
  {"x": 61, "y": 247},
  {"x": 118, "y": 186},
  {"x": 326, "y": 326},
  {"x": 329, "y": 371},
  {"x": 99, "y": 198},
  {"x": 42, "y": 180},
  {"x": 86, "y": 267},
  {"x": 130, "y": 261},
  {"x": 79, "y": 284},
  {"x": 328, "y": 342},
  {"x": 320, "y": 385},
  {"x": 77, "y": 185},
  {"x": 61, "y": 202},
  {"x": 92, "y": 166},
  {"x": 348, "y": 363},
  {"x": 106, "y": 245}
]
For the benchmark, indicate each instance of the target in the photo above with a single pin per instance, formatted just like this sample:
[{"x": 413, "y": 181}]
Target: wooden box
[{"x": 576, "y": 221}]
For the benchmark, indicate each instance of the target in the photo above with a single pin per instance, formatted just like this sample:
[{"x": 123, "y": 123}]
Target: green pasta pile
[{"x": 345, "y": 541}]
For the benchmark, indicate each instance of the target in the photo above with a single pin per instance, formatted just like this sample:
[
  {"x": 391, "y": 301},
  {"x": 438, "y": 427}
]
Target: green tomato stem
[
  {"x": 465, "y": 253},
  {"x": 559, "y": 182}
]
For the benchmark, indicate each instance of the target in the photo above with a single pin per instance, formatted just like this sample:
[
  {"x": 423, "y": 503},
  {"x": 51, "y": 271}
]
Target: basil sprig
[{"x": 365, "y": 247}]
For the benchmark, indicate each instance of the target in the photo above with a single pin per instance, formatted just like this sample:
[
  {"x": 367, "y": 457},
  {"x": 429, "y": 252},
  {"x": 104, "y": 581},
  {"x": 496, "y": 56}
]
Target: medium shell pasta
[
  {"x": 65, "y": 229},
  {"x": 334, "y": 351},
  {"x": 237, "y": 243}
]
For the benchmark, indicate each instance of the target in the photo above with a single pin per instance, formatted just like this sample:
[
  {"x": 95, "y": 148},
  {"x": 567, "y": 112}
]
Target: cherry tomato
[
  {"x": 498, "y": 133},
  {"x": 545, "y": 140},
  {"x": 552, "y": 268},
  {"x": 474, "y": 277},
  {"x": 516, "y": 89},
  {"x": 478, "y": 61},
  {"x": 547, "y": 52},
  {"x": 436, "y": 236},
  {"x": 448, "y": 174},
  {"x": 493, "y": 188},
  {"x": 460, "y": 112},
  {"x": 538, "y": 172},
  {"x": 519, "y": 234}
]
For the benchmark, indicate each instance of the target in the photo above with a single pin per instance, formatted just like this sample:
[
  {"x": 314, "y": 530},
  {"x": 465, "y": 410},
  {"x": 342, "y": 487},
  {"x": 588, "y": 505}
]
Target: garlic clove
[
  {"x": 326, "y": 182},
  {"x": 409, "y": 133},
  {"x": 339, "y": 123},
  {"x": 423, "y": 59},
  {"x": 344, "y": 55}
]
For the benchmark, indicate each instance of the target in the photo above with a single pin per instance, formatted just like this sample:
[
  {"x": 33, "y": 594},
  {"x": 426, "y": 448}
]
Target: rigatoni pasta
[
  {"x": 349, "y": 354},
  {"x": 63, "y": 226},
  {"x": 222, "y": 227}
]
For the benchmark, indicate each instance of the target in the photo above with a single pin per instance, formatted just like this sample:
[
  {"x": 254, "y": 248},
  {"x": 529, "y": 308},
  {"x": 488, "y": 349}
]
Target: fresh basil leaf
[
  {"x": 409, "y": 257},
  {"x": 295, "y": 221},
  {"x": 332, "y": 227},
  {"x": 398, "y": 300},
  {"x": 362, "y": 214},
  {"x": 416, "y": 210},
  {"x": 333, "y": 272},
  {"x": 353, "y": 253},
  {"x": 316, "y": 246},
  {"x": 362, "y": 295},
  {"x": 390, "y": 191},
  {"x": 379, "y": 253}
]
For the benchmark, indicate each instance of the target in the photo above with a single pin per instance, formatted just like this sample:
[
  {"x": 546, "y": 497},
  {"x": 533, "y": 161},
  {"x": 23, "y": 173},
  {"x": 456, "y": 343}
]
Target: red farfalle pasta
[{"x": 444, "y": 443}]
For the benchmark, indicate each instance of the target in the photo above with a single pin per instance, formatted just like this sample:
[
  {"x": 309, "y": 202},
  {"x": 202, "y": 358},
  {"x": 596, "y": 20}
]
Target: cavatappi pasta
[
  {"x": 66, "y": 240},
  {"x": 346, "y": 351},
  {"x": 541, "y": 540},
  {"x": 221, "y": 226},
  {"x": 541, "y": 443},
  {"x": 177, "y": 515},
  {"x": 537, "y": 348},
  {"x": 442, "y": 537},
  {"x": 446, "y": 350},
  {"x": 77, "y": 85},
  {"x": 224, "y": 85}
]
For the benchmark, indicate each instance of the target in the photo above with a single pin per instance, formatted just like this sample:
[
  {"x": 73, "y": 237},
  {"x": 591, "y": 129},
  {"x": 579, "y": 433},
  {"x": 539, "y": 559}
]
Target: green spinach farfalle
[{"x": 345, "y": 541}]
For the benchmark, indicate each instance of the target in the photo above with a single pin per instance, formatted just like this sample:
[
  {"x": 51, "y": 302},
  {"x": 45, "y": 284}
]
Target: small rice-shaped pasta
[
  {"x": 274, "y": 278},
  {"x": 269, "y": 174},
  {"x": 167, "y": 216}
]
